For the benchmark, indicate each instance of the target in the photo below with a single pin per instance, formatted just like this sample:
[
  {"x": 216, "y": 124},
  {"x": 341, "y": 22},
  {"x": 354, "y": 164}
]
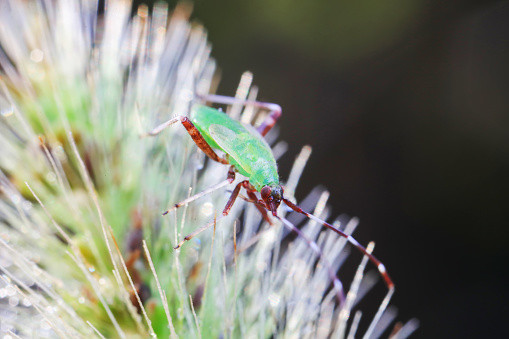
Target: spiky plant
[{"x": 84, "y": 250}]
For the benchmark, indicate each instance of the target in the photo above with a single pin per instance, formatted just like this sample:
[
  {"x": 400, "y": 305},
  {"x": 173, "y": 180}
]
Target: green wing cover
[
  {"x": 233, "y": 143},
  {"x": 250, "y": 151}
]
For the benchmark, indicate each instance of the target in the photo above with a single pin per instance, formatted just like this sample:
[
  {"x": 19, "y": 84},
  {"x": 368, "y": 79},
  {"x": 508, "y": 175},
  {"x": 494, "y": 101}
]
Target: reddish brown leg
[
  {"x": 231, "y": 174},
  {"x": 260, "y": 205},
  {"x": 262, "y": 210},
  {"x": 372, "y": 258},
  {"x": 251, "y": 194},
  {"x": 195, "y": 135},
  {"x": 200, "y": 141},
  {"x": 226, "y": 210},
  {"x": 270, "y": 120},
  {"x": 234, "y": 196}
]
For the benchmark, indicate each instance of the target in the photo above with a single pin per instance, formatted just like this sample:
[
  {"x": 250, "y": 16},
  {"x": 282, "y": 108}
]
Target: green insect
[{"x": 249, "y": 154}]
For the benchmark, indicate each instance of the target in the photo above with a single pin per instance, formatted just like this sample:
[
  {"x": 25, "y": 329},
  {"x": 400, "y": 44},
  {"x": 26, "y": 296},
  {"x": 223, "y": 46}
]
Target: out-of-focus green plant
[{"x": 84, "y": 250}]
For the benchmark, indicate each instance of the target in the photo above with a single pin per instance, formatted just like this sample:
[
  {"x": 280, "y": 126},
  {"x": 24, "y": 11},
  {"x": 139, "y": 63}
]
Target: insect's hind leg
[
  {"x": 193, "y": 132},
  {"x": 275, "y": 110}
]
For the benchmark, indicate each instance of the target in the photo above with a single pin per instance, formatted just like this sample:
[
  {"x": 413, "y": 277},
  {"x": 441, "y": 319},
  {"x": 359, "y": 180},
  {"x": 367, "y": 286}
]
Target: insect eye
[{"x": 265, "y": 192}]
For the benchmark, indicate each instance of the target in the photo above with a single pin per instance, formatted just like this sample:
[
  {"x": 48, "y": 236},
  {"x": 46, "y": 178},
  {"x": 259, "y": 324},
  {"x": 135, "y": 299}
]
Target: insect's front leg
[
  {"x": 251, "y": 194},
  {"x": 260, "y": 205},
  {"x": 230, "y": 178},
  {"x": 234, "y": 196}
]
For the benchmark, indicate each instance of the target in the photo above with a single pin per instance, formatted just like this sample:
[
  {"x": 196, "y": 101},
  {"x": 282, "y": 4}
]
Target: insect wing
[{"x": 231, "y": 142}]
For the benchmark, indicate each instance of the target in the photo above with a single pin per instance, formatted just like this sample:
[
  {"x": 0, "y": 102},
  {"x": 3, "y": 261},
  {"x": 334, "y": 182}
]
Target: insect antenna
[
  {"x": 351, "y": 240},
  {"x": 371, "y": 257}
]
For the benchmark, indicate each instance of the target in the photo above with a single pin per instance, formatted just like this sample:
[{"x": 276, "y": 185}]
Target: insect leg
[
  {"x": 193, "y": 132},
  {"x": 372, "y": 258},
  {"x": 234, "y": 196},
  {"x": 229, "y": 180},
  {"x": 258, "y": 203},
  {"x": 251, "y": 194},
  {"x": 262, "y": 210},
  {"x": 226, "y": 210},
  {"x": 275, "y": 110},
  {"x": 196, "y": 232}
]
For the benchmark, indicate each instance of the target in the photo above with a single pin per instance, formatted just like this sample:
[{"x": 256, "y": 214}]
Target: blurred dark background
[{"x": 406, "y": 106}]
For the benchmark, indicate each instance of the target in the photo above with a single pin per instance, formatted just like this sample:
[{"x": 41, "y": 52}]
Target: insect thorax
[{"x": 263, "y": 174}]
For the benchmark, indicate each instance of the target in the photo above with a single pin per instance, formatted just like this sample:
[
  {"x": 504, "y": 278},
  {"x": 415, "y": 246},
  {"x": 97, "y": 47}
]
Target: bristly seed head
[{"x": 89, "y": 86}]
